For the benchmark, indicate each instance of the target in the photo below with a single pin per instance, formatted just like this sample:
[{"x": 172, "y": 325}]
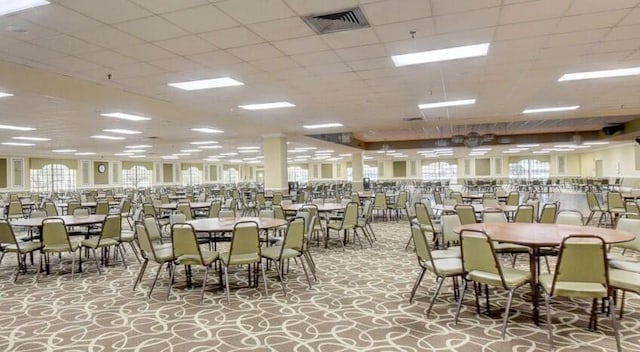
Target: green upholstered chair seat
[
  {"x": 625, "y": 280},
  {"x": 621, "y": 257},
  {"x": 338, "y": 226},
  {"x": 25, "y": 247},
  {"x": 512, "y": 277},
  {"x": 618, "y": 210},
  {"x": 239, "y": 259},
  {"x": 573, "y": 289},
  {"x": 625, "y": 265},
  {"x": 93, "y": 242},
  {"x": 164, "y": 253},
  {"x": 127, "y": 236},
  {"x": 451, "y": 252},
  {"x": 446, "y": 266},
  {"x": 509, "y": 247},
  {"x": 428, "y": 228},
  {"x": 63, "y": 247},
  {"x": 273, "y": 252},
  {"x": 208, "y": 257}
]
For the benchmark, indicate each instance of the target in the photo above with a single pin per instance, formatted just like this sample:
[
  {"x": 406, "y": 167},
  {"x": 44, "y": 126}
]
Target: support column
[
  {"x": 274, "y": 148},
  {"x": 357, "y": 166}
]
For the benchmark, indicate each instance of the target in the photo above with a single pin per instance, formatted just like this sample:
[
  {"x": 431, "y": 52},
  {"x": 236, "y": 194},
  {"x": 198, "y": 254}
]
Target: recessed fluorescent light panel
[
  {"x": 63, "y": 150},
  {"x": 248, "y": 148},
  {"x": 322, "y": 125},
  {"x": 265, "y": 106},
  {"x": 210, "y": 147},
  {"x": 556, "y": 109},
  {"x": 100, "y": 136},
  {"x": 3, "y": 95},
  {"x": 11, "y": 6},
  {"x": 207, "y": 83},
  {"x": 424, "y": 57},
  {"x": 204, "y": 142},
  {"x": 37, "y": 139},
  {"x": 124, "y": 116},
  {"x": 600, "y": 74},
  {"x": 85, "y": 153},
  {"x": 190, "y": 151},
  {"x": 16, "y": 128},
  {"x": 206, "y": 130},
  {"x": 19, "y": 144},
  {"x": 138, "y": 146},
  {"x": 123, "y": 154},
  {"x": 446, "y": 104},
  {"x": 121, "y": 131}
]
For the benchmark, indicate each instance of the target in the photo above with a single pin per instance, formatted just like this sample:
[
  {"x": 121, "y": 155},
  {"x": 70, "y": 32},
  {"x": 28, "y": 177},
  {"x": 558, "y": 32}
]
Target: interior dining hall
[{"x": 319, "y": 175}]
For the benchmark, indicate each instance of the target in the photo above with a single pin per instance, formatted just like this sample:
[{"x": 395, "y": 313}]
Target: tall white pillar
[
  {"x": 274, "y": 148},
  {"x": 357, "y": 166}
]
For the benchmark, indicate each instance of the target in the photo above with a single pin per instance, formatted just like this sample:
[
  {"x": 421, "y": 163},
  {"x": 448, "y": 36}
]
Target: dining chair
[
  {"x": 615, "y": 206},
  {"x": 631, "y": 226},
  {"x": 426, "y": 224},
  {"x": 480, "y": 265},
  {"x": 348, "y": 222},
  {"x": 525, "y": 213},
  {"x": 549, "y": 213},
  {"x": 581, "y": 272},
  {"x": 594, "y": 208},
  {"x": 363, "y": 222},
  {"x": 441, "y": 267},
  {"x": 399, "y": 206},
  {"x": 449, "y": 241},
  {"x": 244, "y": 250},
  {"x": 291, "y": 247},
  {"x": 466, "y": 213},
  {"x": 632, "y": 210},
  {"x": 50, "y": 208},
  {"x": 150, "y": 250},
  {"x": 126, "y": 212},
  {"x": 15, "y": 210},
  {"x": 457, "y": 196},
  {"x": 437, "y": 198},
  {"x": 102, "y": 208},
  {"x": 214, "y": 209},
  {"x": 380, "y": 204},
  {"x": 109, "y": 237},
  {"x": 513, "y": 199},
  {"x": 316, "y": 225},
  {"x": 10, "y": 244},
  {"x": 187, "y": 252},
  {"x": 570, "y": 217},
  {"x": 185, "y": 209},
  {"x": 56, "y": 240}
]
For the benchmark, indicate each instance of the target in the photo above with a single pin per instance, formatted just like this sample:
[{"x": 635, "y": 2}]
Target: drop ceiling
[{"x": 80, "y": 58}]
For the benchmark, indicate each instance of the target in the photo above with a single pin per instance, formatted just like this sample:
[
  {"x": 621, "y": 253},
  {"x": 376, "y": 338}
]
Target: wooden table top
[
  {"x": 227, "y": 224},
  {"x": 543, "y": 235},
  {"x": 86, "y": 204},
  {"x": 478, "y": 208},
  {"x": 69, "y": 220},
  {"x": 321, "y": 206},
  {"x": 193, "y": 205}
]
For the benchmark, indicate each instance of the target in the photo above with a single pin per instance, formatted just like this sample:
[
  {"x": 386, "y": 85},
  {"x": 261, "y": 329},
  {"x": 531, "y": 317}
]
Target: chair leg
[
  {"x": 408, "y": 243},
  {"x": 279, "y": 266},
  {"x": 464, "y": 288},
  {"x": 19, "y": 267},
  {"x": 204, "y": 283},
  {"x": 172, "y": 274},
  {"x": 124, "y": 260},
  {"x": 435, "y": 295},
  {"x": 156, "y": 278},
  {"x": 95, "y": 258},
  {"x": 416, "y": 284},
  {"x": 306, "y": 274},
  {"x": 614, "y": 325},
  {"x": 140, "y": 274},
  {"x": 135, "y": 251},
  {"x": 506, "y": 313},
  {"x": 226, "y": 281},
  {"x": 264, "y": 278},
  {"x": 546, "y": 301},
  {"x": 39, "y": 267}
]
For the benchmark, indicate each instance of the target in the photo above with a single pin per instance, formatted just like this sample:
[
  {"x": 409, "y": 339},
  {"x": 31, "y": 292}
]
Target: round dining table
[
  {"x": 536, "y": 236},
  {"x": 322, "y": 207},
  {"x": 193, "y": 205},
  {"x": 227, "y": 224},
  {"x": 477, "y": 207}
]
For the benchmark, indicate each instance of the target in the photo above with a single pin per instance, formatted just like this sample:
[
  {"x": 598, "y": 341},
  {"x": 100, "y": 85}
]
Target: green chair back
[
  {"x": 401, "y": 202},
  {"x": 421, "y": 244},
  {"x": 245, "y": 239},
  {"x": 185, "y": 209},
  {"x": 582, "y": 259},
  {"x": 6, "y": 233},
  {"x": 312, "y": 209},
  {"x": 615, "y": 200},
  {"x": 570, "y": 217},
  {"x": 494, "y": 217},
  {"x": 592, "y": 201},
  {"x": 549, "y": 213},
  {"x": 54, "y": 233},
  {"x": 422, "y": 215},
  {"x": 631, "y": 226},
  {"x": 151, "y": 227},
  {"x": 466, "y": 213},
  {"x": 478, "y": 253},
  {"x": 633, "y": 211},
  {"x": 143, "y": 239},
  {"x": 126, "y": 207},
  {"x": 457, "y": 196},
  {"x": 15, "y": 209},
  {"x": 277, "y": 198},
  {"x": 525, "y": 213},
  {"x": 149, "y": 210},
  {"x": 278, "y": 213},
  {"x": 214, "y": 209},
  {"x": 355, "y": 197},
  {"x": 449, "y": 222},
  {"x": 380, "y": 201},
  {"x": 51, "y": 209},
  {"x": 513, "y": 199},
  {"x": 185, "y": 245},
  {"x": 112, "y": 227},
  {"x": 294, "y": 237},
  {"x": 437, "y": 196},
  {"x": 350, "y": 219},
  {"x": 102, "y": 208}
]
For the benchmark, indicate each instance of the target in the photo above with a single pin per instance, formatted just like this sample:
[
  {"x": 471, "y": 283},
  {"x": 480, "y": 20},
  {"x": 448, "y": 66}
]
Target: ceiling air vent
[{"x": 337, "y": 21}]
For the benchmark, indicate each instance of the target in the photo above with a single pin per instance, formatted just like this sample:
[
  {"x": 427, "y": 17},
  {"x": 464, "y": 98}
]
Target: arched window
[
  {"x": 136, "y": 177},
  {"x": 529, "y": 169},
  {"x": 53, "y": 178},
  {"x": 230, "y": 176},
  {"x": 191, "y": 176},
  {"x": 440, "y": 171},
  {"x": 298, "y": 174},
  {"x": 367, "y": 171}
]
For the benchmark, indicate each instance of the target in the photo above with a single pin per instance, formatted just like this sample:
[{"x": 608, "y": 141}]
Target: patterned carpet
[{"x": 360, "y": 303}]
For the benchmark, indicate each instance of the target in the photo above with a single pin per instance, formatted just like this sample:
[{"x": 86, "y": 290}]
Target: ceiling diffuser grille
[{"x": 337, "y": 21}]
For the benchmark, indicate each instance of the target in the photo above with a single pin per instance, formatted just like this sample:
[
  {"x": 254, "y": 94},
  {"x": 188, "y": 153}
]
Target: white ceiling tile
[
  {"x": 362, "y": 52},
  {"x": 214, "y": 58},
  {"x": 255, "y": 52},
  {"x": 141, "y": 69},
  {"x": 533, "y": 10},
  {"x": 467, "y": 20},
  {"x": 34, "y": 31},
  {"x": 275, "y": 64},
  {"x": 402, "y": 30},
  {"x": 72, "y": 64},
  {"x": 232, "y": 37},
  {"x": 573, "y": 38},
  {"x": 250, "y": 11},
  {"x": 589, "y": 6},
  {"x": 66, "y": 44},
  {"x": 306, "y": 7},
  {"x": 109, "y": 12},
  {"x": 336, "y": 67},
  {"x": 624, "y": 32},
  {"x": 201, "y": 19},
  {"x": 108, "y": 37},
  {"x": 442, "y": 41},
  {"x": 145, "y": 52},
  {"x": 339, "y": 40},
  {"x": 301, "y": 45},
  {"x": 59, "y": 18},
  {"x": 108, "y": 58},
  {"x": 151, "y": 29},
  {"x": 33, "y": 52},
  {"x": 444, "y": 7},
  {"x": 590, "y": 21},
  {"x": 281, "y": 29},
  {"x": 316, "y": 58},
  {"x": 187, "y": 45},
  {"x": 164, "y": 6},
  {"x": 525, "y": 29},
  {"x": 177, "y": 64},
  {"x": 632, "y": 18},
  {"x": 371, "y": 64},
  {"x": 391, "y": 11}
]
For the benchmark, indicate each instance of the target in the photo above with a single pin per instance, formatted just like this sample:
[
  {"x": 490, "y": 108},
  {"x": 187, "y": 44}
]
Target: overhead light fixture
[
  {"x": 100, "y": 136},
  {"x": 560, "y": 108},
  {"x": 124, "y": 116},
  {"x": 248, "y": 148},
  {"x": 85, "y": 153},
  {"x": 16, "y": 128},
  {"x": 169, "y": 157},
  {"x": 118, "y": 130},
  {"x": 228, "y": 154},
  {"x": 206, "y": 130},
  {"x": 595, "y": 143},
  {"x": 123, "y": 154},
  {"x": 600, "y": 74},
  {"x": 445, "y": 104},
  {"x": 527, "y": 145},
  {"x": 323, "y": 125},
  {"x": 37, "y": 139},
  {"x": 131, "y": 150},
  {"x": 137, "y": 156},
  {"x": 190, "y": 150},
  {"x": 4, "y": 95},
  {"x": 264, "y": 106},
  {"x": 249, "y": 151},
  {"x": 207, "y": 83},
  {"x": 138, "y": 146},
  {"x": 63, "y": 150},
  {"x": 541, "y": 152},
  {"x": 11, "y": 6},
  {"x": 210, "y": 147},
  {"x": 19, "y": 144},
  {"x": 235, "y": 161},
  {"x": 511, "y": 151},
  {"x": 455, "y": 53},
  {"x": 204, "y": 142},
  {"x": 181, "y": 154}
]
